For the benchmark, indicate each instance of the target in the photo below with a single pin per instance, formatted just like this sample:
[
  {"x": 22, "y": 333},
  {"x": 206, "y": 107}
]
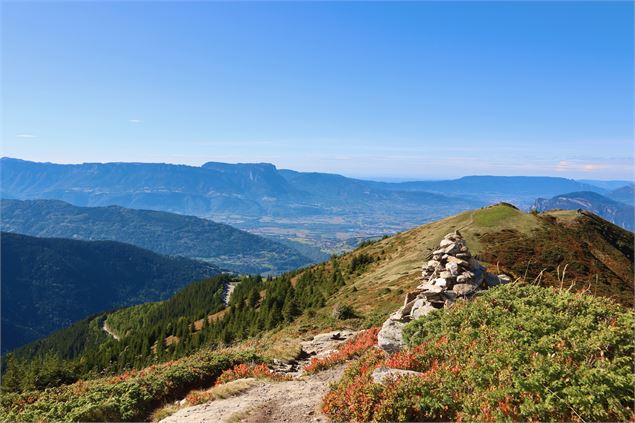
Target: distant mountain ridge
[
  {"x": 252, "y": 189},
  {"x": 161, "y": 232},
  {"x": 328, "y": 210},
  {"x": 613, "y": 211},
  {"x": 625, "y": 194},
  {"x": 49, "y": 283}
]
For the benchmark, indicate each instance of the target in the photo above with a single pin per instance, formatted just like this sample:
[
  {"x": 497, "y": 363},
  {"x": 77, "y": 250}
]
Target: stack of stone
[{"x": 451, "y": 274}]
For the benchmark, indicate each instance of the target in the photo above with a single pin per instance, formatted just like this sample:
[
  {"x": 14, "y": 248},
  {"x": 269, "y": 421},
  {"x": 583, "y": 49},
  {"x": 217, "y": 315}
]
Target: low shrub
[
  {"x": 242, "y": 371},
  {"x": 343, "y": 312},
  {"x": 221, "y": 391},
  {"x": 349, "y": 349},
  {"x": 515, "y": 353},
  {"x": 130, "y": 396}
]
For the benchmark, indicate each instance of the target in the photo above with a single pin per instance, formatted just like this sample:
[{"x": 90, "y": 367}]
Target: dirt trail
[{"x": 297, "y": 400}]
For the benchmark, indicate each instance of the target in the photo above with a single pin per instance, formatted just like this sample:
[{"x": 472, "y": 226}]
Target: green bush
[
  {"x": 343, "y": 312},
  {"x": 130, "y": 396},
  {"x": 515, "y": 353}
]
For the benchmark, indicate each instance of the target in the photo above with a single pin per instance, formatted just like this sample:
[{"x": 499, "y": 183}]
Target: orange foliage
[
  {"x": 242, "y": 371},
  {"x": 351, "y": 348}
]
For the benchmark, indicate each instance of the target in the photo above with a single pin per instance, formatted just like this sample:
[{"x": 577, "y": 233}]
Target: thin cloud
[
  {"x": 568, "y": 165},
  {"x": 25, "y": 136},
  {"x": 134, "y": 120}
]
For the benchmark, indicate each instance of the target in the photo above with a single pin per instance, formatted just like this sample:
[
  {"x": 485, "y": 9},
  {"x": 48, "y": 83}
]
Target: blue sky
[{"x": 411, "y": 90}]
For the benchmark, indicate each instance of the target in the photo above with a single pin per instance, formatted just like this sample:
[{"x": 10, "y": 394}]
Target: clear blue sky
[{"x": 403, "y": 90}]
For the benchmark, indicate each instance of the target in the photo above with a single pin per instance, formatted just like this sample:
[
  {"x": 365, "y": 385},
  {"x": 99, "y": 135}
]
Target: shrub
[
  {"x": 127, "y": 397},
  {"x": 360, "y": 261},
  {"x": 242, "y": 371},
  {"x": 349, "y": 349},
  {"x": 515, "y": 353},
  {"x": 343, "y": 312}
]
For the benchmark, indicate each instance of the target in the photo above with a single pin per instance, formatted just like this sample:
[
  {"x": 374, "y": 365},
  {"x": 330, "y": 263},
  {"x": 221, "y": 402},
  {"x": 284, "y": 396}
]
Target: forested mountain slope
[
  {"x": 161, "y": 232},
  {"x": 49, "y": 283},
  {"x": 565, "y": 248}
]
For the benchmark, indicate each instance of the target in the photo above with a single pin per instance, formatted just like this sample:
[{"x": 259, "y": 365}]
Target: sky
[{"x": 412, "y": 90}]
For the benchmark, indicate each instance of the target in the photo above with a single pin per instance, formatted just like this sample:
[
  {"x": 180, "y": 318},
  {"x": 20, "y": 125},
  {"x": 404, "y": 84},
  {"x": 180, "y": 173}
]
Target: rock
[
  {"x": 432, "y": 264},
  {"x": 459, "y": 262},
  {"x": 504, "y": 278},
  {"x": 445, "y": 242},
  {"x": 421, "y": 308},
  {"x": 452, "y": 248},
  {"x": 390, "y": 337},
  {"x": 449, "y": 297},
  {"x": 410, "y": 296},
  {"x": 453, "y": 236},
  {"x": 442, "y": 282},
  {"x": 429, "y": 288},
  {"x": 452, "y": 275},
  {"x": 405, "y": 310},
  {"x": 464, "y": 288},
  {"x": 445, "y": 274},
  {"x": 384, "y": 374},
  {"x": 453, "y": 268}
]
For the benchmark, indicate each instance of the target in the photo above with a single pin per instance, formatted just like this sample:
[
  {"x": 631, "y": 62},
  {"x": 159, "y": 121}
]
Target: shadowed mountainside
[
  {"x": 49, "y": 283},
  {"x": 161, "y": 232}
]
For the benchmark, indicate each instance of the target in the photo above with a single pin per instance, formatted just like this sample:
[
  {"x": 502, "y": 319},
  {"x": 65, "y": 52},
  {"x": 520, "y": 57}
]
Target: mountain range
[
  {"x": 161, "y": 232},
  {"x": 49, "y": 283},
  {"x": 330, "y": 211},
  {"x": 614, "y": 211}
]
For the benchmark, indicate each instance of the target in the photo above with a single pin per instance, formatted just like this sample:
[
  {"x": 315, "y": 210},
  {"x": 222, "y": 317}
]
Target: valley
[
  {"x": 272, "y": 317},
  {"x": 317, "y": 211},
  {"x": 327, "y": 211}
]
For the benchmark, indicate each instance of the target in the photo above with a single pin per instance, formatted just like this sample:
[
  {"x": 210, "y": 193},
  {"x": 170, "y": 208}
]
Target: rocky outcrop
[{"x": 450, "y": 275}]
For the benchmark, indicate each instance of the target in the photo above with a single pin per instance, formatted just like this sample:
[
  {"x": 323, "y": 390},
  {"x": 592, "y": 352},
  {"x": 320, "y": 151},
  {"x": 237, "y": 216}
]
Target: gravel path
[{"x": 297, "y": 400}]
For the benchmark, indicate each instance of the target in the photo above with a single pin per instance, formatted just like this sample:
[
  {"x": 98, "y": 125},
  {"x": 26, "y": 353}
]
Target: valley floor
[{"x": 291, "y": 401}]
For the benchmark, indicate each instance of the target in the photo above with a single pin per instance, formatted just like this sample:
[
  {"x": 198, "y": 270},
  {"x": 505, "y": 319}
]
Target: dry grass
[
  {"x": 200, "y": 396},
  {"x": 163, "y": 412}
]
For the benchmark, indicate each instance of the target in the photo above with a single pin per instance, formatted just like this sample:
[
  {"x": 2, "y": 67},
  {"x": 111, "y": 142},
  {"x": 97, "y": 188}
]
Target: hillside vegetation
[
  {"x": 516, "y": 353},
  {"x": 50, "y": 283},
  {"x": 131, "y": 396},
  {"x": 565, "y": 250},
  {"x": 161, "y": 232}
]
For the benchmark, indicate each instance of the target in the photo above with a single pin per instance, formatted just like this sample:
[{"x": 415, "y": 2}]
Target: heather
[
  {"x": 514, "y": 353},
  {"x": 130, "y": 396}
]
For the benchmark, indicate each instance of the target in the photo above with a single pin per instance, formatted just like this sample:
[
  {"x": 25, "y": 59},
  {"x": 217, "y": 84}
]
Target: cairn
[{"x": 452, "y": 274}]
